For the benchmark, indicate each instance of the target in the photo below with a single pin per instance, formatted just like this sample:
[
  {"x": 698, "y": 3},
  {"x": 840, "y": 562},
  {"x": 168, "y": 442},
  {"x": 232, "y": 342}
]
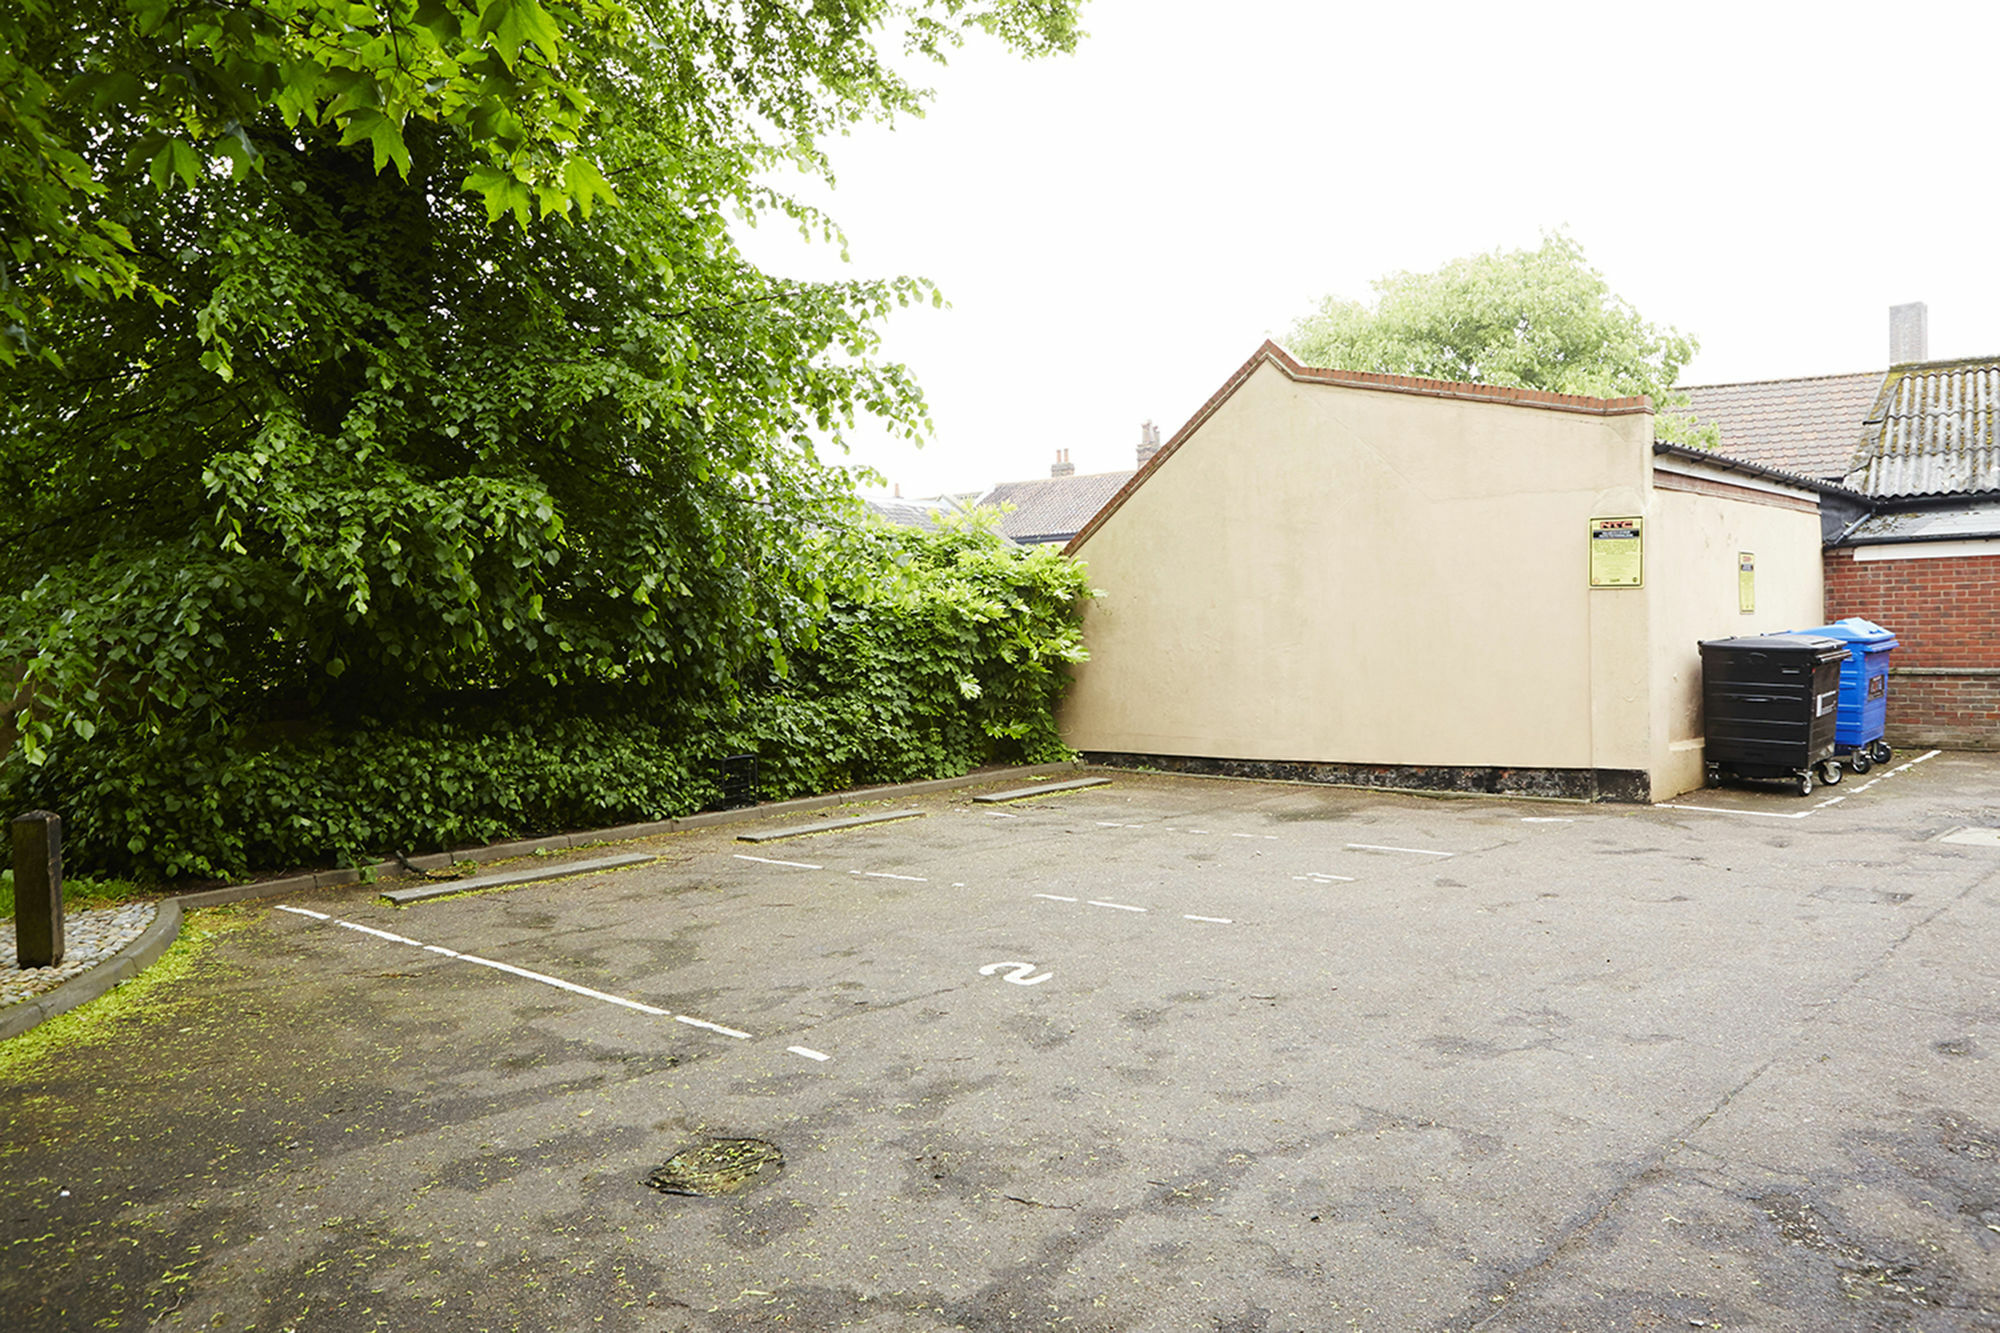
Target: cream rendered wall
[
  {"x": 1336, "y": 574},
  {"x": 1693, "y": 541}
]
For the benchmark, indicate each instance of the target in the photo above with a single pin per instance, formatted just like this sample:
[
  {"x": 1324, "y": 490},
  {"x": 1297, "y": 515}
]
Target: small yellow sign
[
  {"x": 1746, "y": 582},
  {"x": 1617, "y": 553}
]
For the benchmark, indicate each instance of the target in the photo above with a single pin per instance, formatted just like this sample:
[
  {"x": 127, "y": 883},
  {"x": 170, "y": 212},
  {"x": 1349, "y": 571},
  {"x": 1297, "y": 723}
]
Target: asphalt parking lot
[{"x": 1164, "y": 1054}]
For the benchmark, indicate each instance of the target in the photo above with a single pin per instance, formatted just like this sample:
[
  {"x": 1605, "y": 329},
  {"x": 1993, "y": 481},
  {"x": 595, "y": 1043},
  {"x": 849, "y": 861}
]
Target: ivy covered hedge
[{"x": 932, "y": 654}]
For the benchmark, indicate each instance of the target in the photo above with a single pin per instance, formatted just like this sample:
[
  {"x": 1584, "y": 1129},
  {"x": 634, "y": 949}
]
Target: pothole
[{"x": 717, "y": 1167}]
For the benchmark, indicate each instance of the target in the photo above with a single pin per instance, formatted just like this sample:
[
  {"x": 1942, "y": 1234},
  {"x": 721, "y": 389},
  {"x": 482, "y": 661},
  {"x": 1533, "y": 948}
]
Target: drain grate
[{"x": 717, "y": 1167}]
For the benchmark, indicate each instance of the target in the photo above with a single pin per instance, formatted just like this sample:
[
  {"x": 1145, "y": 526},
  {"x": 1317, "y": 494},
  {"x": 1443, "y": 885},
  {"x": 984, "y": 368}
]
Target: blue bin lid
[{"x": 1866, "y": 635}]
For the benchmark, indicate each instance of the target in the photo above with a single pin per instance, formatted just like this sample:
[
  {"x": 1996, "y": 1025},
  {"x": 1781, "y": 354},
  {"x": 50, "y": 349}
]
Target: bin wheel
[
  {"x": 1881, "y": 751},
  {"x": 1860, "y": 760},
  {"x": 1829, "y": 772},
  {"x": 1714, "y": 777},
  {"x": 1805, "y": 782}
]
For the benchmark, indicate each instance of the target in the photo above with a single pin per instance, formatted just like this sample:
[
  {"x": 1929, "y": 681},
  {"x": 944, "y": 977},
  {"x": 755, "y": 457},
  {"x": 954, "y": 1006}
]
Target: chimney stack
[
  {"x": 1909, "y": 333},
  {"x": 1062, "y": 466},
  {"x": 1149, "y": 442}
]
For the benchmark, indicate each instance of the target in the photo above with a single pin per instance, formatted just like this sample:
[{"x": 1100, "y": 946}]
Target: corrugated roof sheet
[
  {"x": 1972, "y": 521},
  {"x": 1931, "y": 431},
  {"x": 1053, "y": 509},
  {"x": 1812, "y": 426}
]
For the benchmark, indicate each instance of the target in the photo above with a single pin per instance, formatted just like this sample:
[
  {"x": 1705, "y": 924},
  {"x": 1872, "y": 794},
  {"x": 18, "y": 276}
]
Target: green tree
[
  {"x": 1528, "y": 319},
  {"x": 385, "y": 406}
]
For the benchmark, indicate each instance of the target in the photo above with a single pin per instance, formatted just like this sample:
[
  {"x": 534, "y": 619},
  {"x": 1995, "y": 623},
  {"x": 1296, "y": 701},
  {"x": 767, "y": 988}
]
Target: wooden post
[{"x": 38, "y": 904}]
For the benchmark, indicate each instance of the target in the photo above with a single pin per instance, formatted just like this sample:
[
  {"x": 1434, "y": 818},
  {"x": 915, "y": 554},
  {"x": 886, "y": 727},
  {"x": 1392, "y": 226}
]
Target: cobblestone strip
[{"x": 97, "y": 956}]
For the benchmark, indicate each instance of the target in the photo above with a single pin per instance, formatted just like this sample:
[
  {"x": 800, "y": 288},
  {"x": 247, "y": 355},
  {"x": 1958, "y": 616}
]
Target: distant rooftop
[
  {"x": 1053, "y": 509},
  {"x": 1811, "y": 425},
  {"x": 1931, "y": 431}
]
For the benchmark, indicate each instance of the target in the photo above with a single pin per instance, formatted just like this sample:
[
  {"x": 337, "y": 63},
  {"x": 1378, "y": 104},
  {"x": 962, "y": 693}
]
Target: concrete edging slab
[
  {"x": 500, "y": 851},
  {"x": 828, "y": 826},
  {"x": 122, "y": 966},
  {"x": 507, "y": 878},
  {"x": 1039, "y": 789}
]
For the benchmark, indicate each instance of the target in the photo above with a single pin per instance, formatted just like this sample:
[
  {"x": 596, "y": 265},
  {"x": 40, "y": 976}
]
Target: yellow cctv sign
[{"x": 1617, "y": 552}]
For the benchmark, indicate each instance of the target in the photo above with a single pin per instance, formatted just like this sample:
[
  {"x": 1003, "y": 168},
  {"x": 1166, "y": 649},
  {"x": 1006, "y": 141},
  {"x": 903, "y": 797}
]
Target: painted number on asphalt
[{"x": 1020, "y": 974}]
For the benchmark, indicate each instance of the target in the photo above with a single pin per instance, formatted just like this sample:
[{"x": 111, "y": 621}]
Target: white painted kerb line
[
  {"x": 1718, "y": 810},
  {"x": 1055, "y": 897},
  {"x": 1413, "y": 851},
  {"x": 525, "y": 974},
  {"x": 1216, "y": 920},
  {"x": 808, "y": 1052},
  {"x": 767, "y": 861},
  {"x": 1122, "y": 907}
]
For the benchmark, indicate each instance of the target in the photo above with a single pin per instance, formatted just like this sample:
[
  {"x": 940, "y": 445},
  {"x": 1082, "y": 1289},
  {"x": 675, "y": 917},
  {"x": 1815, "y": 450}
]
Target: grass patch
[
  {"x": 79, "y": 891},
  {"x": 139, "y": 999}
]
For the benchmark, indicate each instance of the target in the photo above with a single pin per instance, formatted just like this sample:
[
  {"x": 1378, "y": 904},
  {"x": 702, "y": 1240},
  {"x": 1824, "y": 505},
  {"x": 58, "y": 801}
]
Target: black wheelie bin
[{"x": 1770, "y": 704}]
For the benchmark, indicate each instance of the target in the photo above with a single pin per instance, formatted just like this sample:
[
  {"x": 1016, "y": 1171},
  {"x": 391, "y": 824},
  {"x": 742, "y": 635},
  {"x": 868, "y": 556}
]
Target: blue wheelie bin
[{"x": 1864, "y": 690}]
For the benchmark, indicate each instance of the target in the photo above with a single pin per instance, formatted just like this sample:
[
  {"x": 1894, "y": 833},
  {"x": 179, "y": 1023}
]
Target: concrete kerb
[
  {"x": 153, "y": 942},
  {"x": 501, "y": 851},
  {"x": 121, "y": 967}
]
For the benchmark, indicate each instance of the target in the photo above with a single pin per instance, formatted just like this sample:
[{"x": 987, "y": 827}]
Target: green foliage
[
  {"x": 94, "y": 93},
  {"x": 388, "y": 397},
  {"x": 936, "y": 653},
  {"x": 79, "y": 892},
  {"x": 1528, "y": 319}
]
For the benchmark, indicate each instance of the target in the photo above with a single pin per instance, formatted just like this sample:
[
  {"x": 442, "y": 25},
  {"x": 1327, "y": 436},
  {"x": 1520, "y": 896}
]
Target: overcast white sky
[{"x": 1117, "y": 230}]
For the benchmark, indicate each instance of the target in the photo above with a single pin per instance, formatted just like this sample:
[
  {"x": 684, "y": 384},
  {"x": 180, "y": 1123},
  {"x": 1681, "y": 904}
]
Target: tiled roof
[
  {"x": 919, "y": 513},
  {"x": 1052, "y": 509},
  {"x": 1932, "y": 431},
  {"x": 1811, "y": 426}
]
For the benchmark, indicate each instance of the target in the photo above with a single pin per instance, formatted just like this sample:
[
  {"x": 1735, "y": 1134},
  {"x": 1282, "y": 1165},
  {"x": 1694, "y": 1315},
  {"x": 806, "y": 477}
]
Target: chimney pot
[
  {"x": 1149, "y": 442},
  {"x": 1063, "y": 467},
  {"x": 1909, "y": 333}
]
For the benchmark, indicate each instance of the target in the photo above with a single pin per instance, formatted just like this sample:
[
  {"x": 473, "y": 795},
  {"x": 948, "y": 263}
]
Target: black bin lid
[{"x": 1817, "y": 647}]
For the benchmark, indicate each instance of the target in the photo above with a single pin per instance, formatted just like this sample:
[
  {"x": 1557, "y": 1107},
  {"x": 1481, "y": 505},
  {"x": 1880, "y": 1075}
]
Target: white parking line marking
[
  {"x": 1718, "y": 810},
  {"x": 883, "y": 874},
  {"x": 1001, "y": 814},
  {"x": 521, "y": 972},
  {"x": 767, "y": 861},
  {"x": 1268, "y": 837},
  {"x": 379, "y": 934},
  {"x": 1319, "y": 878},
  {"x": 1123, "y": 907},
  {"x": 1413, "y": 851},
  {"x": 809, "y": 1053},
  {"x": 1055, "y": 897},
  {"x": 1218, "y": 920},
  {"x": 712, "y": 1027},
  {"x": 560, "y": 984},
  {"x": 1545, "y": 819},
  {"x": 1831, "y": 800}
]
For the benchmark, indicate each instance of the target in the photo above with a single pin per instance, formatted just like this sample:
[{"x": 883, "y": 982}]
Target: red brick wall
[{"x": 1946, "y": 613}]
